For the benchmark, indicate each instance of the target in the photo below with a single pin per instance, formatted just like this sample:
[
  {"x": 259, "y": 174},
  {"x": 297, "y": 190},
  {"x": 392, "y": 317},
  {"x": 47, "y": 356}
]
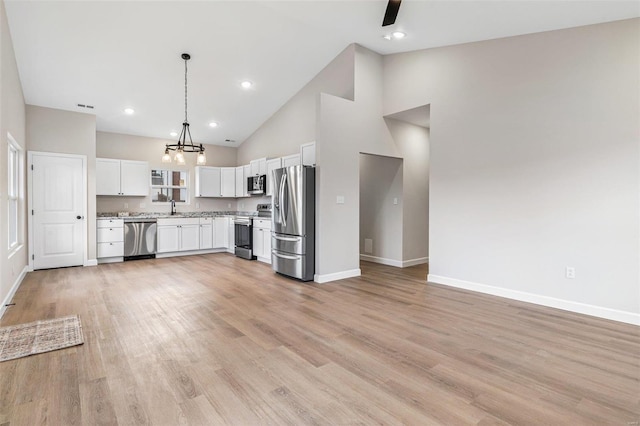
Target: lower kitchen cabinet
[
  {"x": 181, "y": 234},
  {"x": 221, "y": 232},
  {"x": 262, "y": 240},
  {"x": 206, "y": 233},
  {"x": 110, "y": 239}
]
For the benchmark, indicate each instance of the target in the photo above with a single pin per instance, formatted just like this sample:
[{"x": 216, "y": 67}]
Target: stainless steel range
[{"x": 243, "y": 228}]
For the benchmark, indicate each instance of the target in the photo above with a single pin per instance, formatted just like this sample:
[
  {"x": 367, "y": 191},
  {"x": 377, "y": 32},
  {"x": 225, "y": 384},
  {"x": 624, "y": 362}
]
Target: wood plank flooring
[{"x": 214, "y": 339}]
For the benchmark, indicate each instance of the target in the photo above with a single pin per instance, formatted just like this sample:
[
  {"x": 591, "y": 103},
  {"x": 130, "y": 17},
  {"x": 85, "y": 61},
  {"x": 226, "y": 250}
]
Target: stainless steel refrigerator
[{"x": 293, "y": 222}]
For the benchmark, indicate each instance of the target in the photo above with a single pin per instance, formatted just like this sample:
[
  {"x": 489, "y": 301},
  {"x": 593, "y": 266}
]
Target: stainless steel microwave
[{"x": 257, "y": 185}]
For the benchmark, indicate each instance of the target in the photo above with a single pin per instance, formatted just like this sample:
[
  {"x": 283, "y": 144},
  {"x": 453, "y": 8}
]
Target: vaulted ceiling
[{"x": 118, "y": 54}]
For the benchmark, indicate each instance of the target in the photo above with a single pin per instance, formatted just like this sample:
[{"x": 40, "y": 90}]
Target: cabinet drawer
[
  {"x": 110, "y": 223},
  {"x": 109, "y": 235},
  {"x": 262, "y": 223},
  {"x": 110, "y": 249},
  {"x": 206, "y": 221}
]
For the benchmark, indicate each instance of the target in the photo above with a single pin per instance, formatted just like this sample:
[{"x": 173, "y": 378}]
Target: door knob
[{"x": 79, "y": 217}]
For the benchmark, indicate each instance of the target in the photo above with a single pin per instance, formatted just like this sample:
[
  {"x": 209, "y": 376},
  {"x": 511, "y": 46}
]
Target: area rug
[{"x": 21, "y": 340}]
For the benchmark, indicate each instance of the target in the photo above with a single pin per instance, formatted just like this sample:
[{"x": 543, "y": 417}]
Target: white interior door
[{"x": 58, "y": 209}]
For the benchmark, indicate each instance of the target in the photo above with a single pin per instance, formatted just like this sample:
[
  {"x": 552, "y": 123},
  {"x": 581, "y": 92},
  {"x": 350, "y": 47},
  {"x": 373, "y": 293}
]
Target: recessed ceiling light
[
  {"x": 387, "y": 36},
  {"x": 213, "y": 124},
  {"x": 246, "y": 84},
  {"x": 398, "y": 35},
  {"x": 174, "y": 134},
  {"x": 129, "y": 111}
]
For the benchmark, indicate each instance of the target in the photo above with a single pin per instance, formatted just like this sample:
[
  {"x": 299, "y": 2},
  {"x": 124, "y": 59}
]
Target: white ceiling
[{"x": 118, "y": 54}]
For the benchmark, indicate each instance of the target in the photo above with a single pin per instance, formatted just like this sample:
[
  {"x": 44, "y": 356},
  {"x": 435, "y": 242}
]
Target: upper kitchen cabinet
[
  {"x": 258, "y": 167},
  {"x": 308, "y": 154},
  {"x": 208, "y": 181},
  {"x": 291, "y": 160},
  {"x": 273, "y": 164},
  {"x": 122, "y": 177},
  {"x": 228, "y": 181},
  {"x": 242, "y": 173}
]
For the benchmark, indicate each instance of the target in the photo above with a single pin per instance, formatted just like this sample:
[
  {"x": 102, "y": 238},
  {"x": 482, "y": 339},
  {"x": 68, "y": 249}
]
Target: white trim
[
  {"x": 85, "y": 229},
  {"x": 336, "y": 276},
  {"x": 567, "y": 305},
  {"x": 381, "y": 260},
  {"x": 190, "y": 252},
  {"x": 91, "y": 262},
  {"x": 13, "y": 290},
  {"x": 393, "y": 262},
  {"x": 414, "y": 262}
]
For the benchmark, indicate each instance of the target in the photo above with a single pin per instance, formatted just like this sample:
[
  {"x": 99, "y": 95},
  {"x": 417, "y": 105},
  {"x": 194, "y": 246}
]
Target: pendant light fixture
[{"x": 182, "y": 146}]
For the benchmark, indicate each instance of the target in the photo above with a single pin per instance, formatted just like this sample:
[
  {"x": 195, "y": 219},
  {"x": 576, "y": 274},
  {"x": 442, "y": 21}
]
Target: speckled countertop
[{"x": 152, "y": 215}]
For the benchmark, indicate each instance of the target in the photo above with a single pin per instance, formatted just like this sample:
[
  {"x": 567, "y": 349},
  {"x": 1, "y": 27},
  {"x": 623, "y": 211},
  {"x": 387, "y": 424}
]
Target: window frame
[
  {"x": 169, "y": 187},
  {"x": 15, "y": 195}
]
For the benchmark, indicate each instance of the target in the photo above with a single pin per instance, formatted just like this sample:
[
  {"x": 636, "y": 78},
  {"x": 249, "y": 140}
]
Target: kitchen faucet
[{"x": 173, "y": 207}]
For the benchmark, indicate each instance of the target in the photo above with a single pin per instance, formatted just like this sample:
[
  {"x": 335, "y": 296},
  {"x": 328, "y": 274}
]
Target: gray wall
[
  {"x": 129, "y": 147},
  {"x": 66, "y": 132},
  {"x": 381, "y": 219},
  {"x": 12, "y": 120},
  {"x": 534, "y": 163},
  {"x": 295, "y": 123},
  {"x": 413, "y": 143}
]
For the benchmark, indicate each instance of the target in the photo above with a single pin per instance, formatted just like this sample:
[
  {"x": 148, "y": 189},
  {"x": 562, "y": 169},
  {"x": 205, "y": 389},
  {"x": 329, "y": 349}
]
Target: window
[
  {"x": 14, "y": 192},
  {"x": 167, "y": 185}
]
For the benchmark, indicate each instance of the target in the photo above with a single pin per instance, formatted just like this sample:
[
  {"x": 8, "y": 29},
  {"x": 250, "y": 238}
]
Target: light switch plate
[{"x": 340, "y": 199}]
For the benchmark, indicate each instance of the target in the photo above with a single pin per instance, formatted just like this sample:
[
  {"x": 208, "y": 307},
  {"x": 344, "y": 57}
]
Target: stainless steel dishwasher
[{"x": 139, "y": 238}]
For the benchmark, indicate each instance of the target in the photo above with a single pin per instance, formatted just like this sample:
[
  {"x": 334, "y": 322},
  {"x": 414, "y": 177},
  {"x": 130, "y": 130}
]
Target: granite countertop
[{"x": 155, "y": 215}]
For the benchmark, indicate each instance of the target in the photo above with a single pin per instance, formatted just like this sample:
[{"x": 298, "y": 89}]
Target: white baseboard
[
  {"x": 13, "y": 290},
  {"x": 91, "y": 262},
  {"x": 414, "y": 262},
  {"x": 381, "y": 260},
  {"x": 393, "y": 262},
  {"x": 567, "y": 305},
  {"x": 325, "y": 278},
  {"x": 189, "y": 253}
]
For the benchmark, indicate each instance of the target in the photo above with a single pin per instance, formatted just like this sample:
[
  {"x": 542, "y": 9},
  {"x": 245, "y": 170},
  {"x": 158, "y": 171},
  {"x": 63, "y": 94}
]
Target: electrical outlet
[
  {"x": 197, "y": 206},
  {"x": 229, "y": 205},
  {"x": 126, "y": 205},
  {"x": 395, "y": 201},
  {"x": 340, "y": 199},
  {"x": 570, "y": 272}
]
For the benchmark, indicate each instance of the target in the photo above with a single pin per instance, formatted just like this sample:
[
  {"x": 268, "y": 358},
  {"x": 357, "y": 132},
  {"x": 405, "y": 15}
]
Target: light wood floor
[{"x": 214, "y": 339}]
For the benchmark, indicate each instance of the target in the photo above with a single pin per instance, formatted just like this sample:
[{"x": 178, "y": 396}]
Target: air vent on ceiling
[
  {"x": 229, "y": 140},
  {"x": 85, "y": 106}
]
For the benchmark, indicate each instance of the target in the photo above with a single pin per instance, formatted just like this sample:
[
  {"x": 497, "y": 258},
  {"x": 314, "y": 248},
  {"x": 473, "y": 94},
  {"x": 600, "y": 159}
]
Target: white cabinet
[
  {"x": 168, "y": 238},
  {"x": 110, "y": 238},
  {"x": 231, "y": 242},
  {"x": 228, "y": 181},
  {"x": 262, "y": 239},
  {"x": 247, "y": 173},
  {"x": 122, "y": 177},
  {"x": 291, "y": 160},
  {"x": 208, "y": 181},
  {"x": 179, "y": 234},
  {"x": 273, "y": 164},
  {"x": 241, "y": 182},
  {"x": 206, "y": 233},
  {"x": 221, "y": 232},
  {"x": 308, "y": 154},
  {"x": 258, "y": 167}
]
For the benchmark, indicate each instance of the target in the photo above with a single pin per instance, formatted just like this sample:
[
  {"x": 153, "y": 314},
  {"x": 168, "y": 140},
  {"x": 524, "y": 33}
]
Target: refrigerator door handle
[
  {"x": 283, "y": 208},
  {"x": 292, "y": 239}
]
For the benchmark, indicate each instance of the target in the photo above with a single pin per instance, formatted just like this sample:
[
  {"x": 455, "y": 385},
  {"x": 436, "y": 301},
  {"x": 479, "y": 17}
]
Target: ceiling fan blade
[{"x": 391, "y": 13}]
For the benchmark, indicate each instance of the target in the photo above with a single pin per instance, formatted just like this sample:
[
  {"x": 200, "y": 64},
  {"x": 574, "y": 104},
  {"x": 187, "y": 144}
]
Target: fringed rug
[{"x": 21, "y": 340}]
